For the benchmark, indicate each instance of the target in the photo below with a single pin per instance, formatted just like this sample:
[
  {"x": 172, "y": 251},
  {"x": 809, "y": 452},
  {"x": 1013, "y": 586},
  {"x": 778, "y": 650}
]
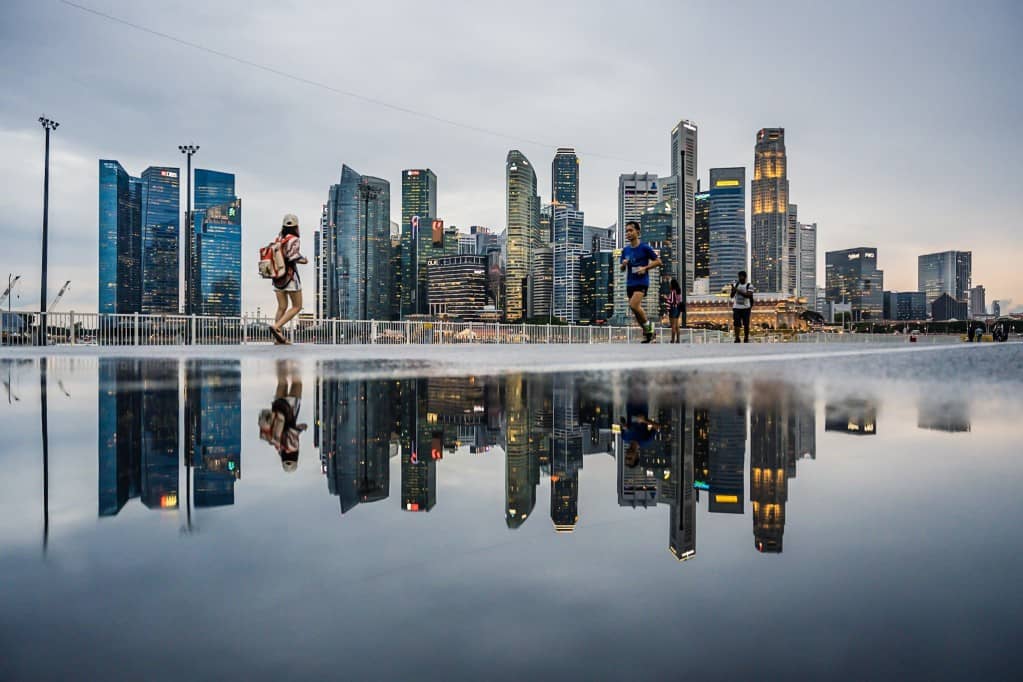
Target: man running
[
  {"x": 638, "y": 258},
  {"x": 742, "y": 306}
]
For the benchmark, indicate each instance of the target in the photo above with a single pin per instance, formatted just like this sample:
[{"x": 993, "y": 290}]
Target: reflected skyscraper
[
  {"x": 522, "y": 468},
  {"x": 855, "y": 416},
  {"x": 768, "y": 479},
  {"x": 943, "y": 413},
  {"x": 138, "y": 433},
  {"x": 213, "y": 430},
  {"x": 726, "y": 454}
]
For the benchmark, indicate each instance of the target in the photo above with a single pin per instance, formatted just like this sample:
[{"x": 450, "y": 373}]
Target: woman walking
[
  {"x": 288, "y": 287},
  {"x": 674, "y": 301}
]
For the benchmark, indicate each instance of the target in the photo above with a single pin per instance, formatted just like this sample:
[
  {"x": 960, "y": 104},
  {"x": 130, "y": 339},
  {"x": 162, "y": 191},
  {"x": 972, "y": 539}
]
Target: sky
[{"x": 900, "y": 118}]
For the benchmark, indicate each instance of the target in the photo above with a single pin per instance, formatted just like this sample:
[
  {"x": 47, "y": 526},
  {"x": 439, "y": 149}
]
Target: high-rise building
[
  {"x": 978, "y": 307},
  {"x": 658, "y": 229},
  {"x": 946, "y": 272},
  {"x": 523, "y": 233},
  {"x": 770, "y": 202},
  {"x": 567, "y": 301},
  {"x": 358, "y": 248},
  {"x": 161, "y": 240},
  {"x": 806, "y": 263},
  {"x": 567, "y": 226},
  {"x": 213, "y": 269},
  {"x": 213, "y": 429},
  {"x": 457, "y": 286},
  {"x": 418, "y": 210},
  {"x": 541, "y": 283},
  {"x": 120, "y": 241},
  {"x": 945, "y": 307},
  {"x": 905, "y": 305},
  {"x": 727, "y": 226},
  {"x": 565, "y": 178},
  {"x": 792, "y": 249},
  {"x": 636, "y": 193},
  {"x": 683, "y": 167},
  {"x": 701, "y": 234},
  {"x": 996, "y": 308},
  {"x": 598, "y": 238},
  {"x": 852, "y": 277},
  {"x": 596, "y": 288}
]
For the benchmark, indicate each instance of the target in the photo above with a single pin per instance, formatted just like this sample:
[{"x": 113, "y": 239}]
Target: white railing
[
  {"x": 23, "y": 329},
  {"x": 829, "y": 337}
]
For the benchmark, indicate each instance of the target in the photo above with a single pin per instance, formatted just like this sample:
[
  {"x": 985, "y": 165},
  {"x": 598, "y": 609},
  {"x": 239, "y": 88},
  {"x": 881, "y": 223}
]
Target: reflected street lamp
[
  {"x": 188, "y": 150},
  {"x": 48, "y": 125}
]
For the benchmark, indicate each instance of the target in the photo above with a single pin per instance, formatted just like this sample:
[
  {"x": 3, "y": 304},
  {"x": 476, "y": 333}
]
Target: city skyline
[{"x": 905, "y": 217}]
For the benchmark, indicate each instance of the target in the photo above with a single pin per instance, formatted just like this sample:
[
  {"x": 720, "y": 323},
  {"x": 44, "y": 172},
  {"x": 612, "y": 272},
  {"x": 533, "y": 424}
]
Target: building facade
[
  {"x": 852, "y": 277},
  {"x": 946, "y": 272},
  {"x": 978, "y": 306},
  {"x": 636, "y": 193},
  {"x": 213, "y": 248},
  {"x": 567, "y": 301},
  {"x": 161, "y": 240},
  {"x": 418, "y": 210},
  {"x": 945, "y": 307},
  {"x": 905, "y": 305},
  {"x": 806, "y": 263},
  {"x": 457, "y": 286},
  {"x": 565, "y": 178},
  {"x": 596, "y": 288},
  {"x": 120, "y": 242},
  {"x": 684, "y": 168},
  {"x": 540, "y": 289},
  {"x": 769, "y": 206},
  {"x": 727, "y": 226},
  {"x": 523, "y": 233},
  {"x": 701, "y": 235}
]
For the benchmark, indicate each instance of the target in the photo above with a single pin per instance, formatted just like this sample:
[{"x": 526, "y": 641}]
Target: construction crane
[
  {"x": 60, "y": 295},
  {"x": 10, "y": 287}
]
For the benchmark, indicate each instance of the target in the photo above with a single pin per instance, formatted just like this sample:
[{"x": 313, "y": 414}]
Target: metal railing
[{"x": 71, "y": 329}]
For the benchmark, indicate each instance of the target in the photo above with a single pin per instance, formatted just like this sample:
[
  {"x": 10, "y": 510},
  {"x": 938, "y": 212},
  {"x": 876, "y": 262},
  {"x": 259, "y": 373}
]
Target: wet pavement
[{"x": 842, "y": 513}]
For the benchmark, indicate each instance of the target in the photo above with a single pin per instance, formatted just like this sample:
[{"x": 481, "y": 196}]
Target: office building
[
  {"x": 636, "y": 193},
  {"x": 854, "y": 416},
  {"x": 806, "y": 263},
  {"x": 905, "y": 305},
  {"x": 996, "y": 309},
  {"x": 978, "y": 306},
  {"x": 567, "y": 301},
  {"x": 769, "y": 205},
  {"x": 213, "y": 269},
  {"x": 598, "y": 238},
  {"x": 457, "y": 286},
  {"x": 418, "y": 209},
  {"x": 946, "y": 272},
  {"x": 541, "y": 284},
  {"x": 161, "y": 240},
  {"x": 945, "y": 307},
  {"x": 565, "y": 178},
  {"x": 727, "y": 226},
  {"x": 701, "y": 238},
  {"x": 213, "y": 429},
  {"x": 523, "y": 234},
  {"x": 792, "y": 249},
  {"x": 684, "y": 168},
  {"x": 567, "y": 226},
  {"x": 596, "y": 288},
  {"x": 852, "y": 277},
  {"x": 358, "y": 250}
]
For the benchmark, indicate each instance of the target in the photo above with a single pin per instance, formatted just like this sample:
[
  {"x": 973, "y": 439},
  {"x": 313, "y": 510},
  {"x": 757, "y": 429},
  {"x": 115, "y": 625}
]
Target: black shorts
[
  {"x": 675, "y": 311},
  {"x": 631, "y": 289},
  {"x": 740, "y": 316}
]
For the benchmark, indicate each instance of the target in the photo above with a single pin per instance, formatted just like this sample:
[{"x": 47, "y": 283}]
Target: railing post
[
  {"x": 72, "y": 330},
  {"x": 245, "y": 331},
  {"x": 191, "y": 330},
  {"x": 135, "y": 316}
]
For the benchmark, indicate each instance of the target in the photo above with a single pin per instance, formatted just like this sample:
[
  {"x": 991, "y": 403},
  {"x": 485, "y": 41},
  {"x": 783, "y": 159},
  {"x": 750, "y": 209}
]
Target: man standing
[
  {"x": 742, "y": 306},
  {"x": 638, "y": 258}
]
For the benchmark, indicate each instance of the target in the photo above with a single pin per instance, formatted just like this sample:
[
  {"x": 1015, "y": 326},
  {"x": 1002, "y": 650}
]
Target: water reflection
[{"x": 669, "y": 444}]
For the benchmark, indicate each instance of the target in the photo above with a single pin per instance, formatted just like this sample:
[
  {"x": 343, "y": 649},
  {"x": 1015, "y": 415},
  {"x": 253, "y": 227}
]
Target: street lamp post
[
  {"x": 188, "y": 150},
  {"x": 48, "y": 125}
]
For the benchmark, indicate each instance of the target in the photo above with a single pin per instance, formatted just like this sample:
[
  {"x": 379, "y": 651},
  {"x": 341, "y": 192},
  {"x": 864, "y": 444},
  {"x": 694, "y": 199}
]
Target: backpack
[
  {"x": 271, "y": 427},
  {"x": 272, "y": 263}
]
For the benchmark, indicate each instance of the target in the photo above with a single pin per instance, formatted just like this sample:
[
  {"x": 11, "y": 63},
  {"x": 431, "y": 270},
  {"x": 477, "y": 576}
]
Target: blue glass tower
[
  {"x": 213, "y": 430},
  {"x": 727, "y": 225},
  {"x": 120, "y": 240},
  {"x": 160, "y": 217},
  {"x": 213, "y": 277}
]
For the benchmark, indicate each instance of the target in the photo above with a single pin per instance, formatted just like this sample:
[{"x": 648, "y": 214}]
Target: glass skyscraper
[
  {"x": 213, "y": 432},
  {"x": 161, "y": 240},
  {"x": 418, "y": 209},
  {"x": 770, "y": 203},
  {"x": 596, "y": 273},
  {"x": 852, "y": 277},
  {"x": 565, "y": 178},
  {"x": 214, "y": 270},
  {"x": 684, "y": 169},
  {"x": 120, "y": 240},
  {"x": 523, "y": 235},
  {"x": 947, "y": 272},
  {"x": 727, "y": 226},
  {"x": 702, "y": 235},
  {"x": 358, "y": 246}
]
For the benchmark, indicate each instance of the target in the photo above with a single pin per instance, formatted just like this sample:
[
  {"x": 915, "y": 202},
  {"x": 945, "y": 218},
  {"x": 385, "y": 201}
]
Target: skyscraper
[
  {"x": 541, "y": 283},
  {"x": 567, "y": 257},
  {"x": 852, "y": 277},
  {"x": 418, "y": 208},
  {"x": 770, "y": 202},
  {"x": 358, "y": 248},
  {"x": 683, "y": 167},
  {"x": 523, "y": 221},
  {"x": 792, "y": 249},
  {"x": 596, "y": 295},
  {"x": 946, "y": 272},
  {"x": 213, "y": 431},
  {"x": 457, "y": 286},
  {"x": 636, "y": 193},
  {"x": 213, "y": 260},
  {"x": 161, "y": 240},
  {"x": 727, "y": 225},
  {"x": 701, "y": 236},
  {"x": 565, "y": 178},
  {"x": 120, "y": 241},
  {"x": 806, "y": 263},
  {"x": 978, "y": 307}
]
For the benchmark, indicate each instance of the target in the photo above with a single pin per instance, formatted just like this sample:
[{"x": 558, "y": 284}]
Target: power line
[{"x": 336, "y": 90}]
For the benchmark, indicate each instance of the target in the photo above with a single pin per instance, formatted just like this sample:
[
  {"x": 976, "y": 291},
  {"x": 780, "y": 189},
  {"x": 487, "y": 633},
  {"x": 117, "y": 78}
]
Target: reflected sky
[{"x": 263, "y": 519}]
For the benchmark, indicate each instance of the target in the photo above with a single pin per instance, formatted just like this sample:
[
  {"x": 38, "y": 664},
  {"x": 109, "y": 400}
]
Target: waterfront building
[
  {"x": 541, "y": 284},
  {"x": 684, "y": 168},
  {"x": 727, "y": 226},
  {"x": 636, "y": 193},
  {"x": 161, "y": 240},
  {"x": 567, "y": 301},
  {"x": 806, "y": 263},
  {"x": 769, "y": 206},
  {"x": 120, "y": 242},
  {"x": 523, "y": 234},
  {"x": 596, "y": 295},
  {"x": 565, "y": 178},
  {"x": 418, "y": 209},
  {"x": 457, "y": 286},
  {"x": 598, "y": 238},
  {"x": 945, "y": 307},
  {"x": 946, "y": 272},
  {"x": 978, "y": 307},
  {"x": 852, "y": 277},
  {"x": 701, "y": 236},
  {"x": 213, "y": 267},
  {"x": 905, "y": 305}
]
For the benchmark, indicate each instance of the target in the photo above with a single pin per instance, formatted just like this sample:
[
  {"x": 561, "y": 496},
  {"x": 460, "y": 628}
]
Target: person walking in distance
[
  {"x": 742, "y": 306},
  {"x": 674, "y": 302},
  {"x": 288, "y": 287},
  {"x": 637, "y": 259}
]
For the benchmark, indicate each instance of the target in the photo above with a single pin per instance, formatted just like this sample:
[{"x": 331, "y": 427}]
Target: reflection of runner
[
  {"x": 279, "y": 425},
  {"x": 638, "y": 431},
  {"x": 638, "y": 258}
]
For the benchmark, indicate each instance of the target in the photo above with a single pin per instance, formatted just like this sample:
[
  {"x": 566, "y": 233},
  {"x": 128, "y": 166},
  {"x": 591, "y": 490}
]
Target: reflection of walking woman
[
  {"x": 674, "y": 301},
  {"x": 279, "y": 425},
  {"x": 288, "y": 286}
]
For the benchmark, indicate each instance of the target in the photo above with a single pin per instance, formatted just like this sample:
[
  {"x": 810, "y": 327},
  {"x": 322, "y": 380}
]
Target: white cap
[{"x": 290, "y": 220}]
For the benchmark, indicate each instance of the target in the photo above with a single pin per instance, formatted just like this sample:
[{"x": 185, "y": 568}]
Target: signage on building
[
  {"x": 168, "y": 174},
  {"x": 438, "y": 233}
]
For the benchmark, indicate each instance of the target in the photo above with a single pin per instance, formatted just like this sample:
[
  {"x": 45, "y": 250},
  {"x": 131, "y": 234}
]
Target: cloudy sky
[{"x": 900, "y": 118}]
